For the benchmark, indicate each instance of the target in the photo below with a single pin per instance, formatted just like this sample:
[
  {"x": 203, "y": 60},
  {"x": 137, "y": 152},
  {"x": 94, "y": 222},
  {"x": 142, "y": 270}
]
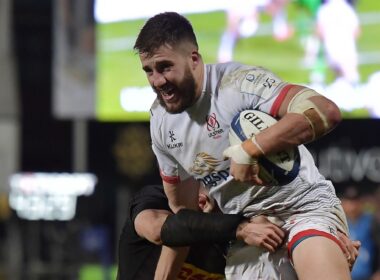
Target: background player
[{"x": 339, "y": 39}]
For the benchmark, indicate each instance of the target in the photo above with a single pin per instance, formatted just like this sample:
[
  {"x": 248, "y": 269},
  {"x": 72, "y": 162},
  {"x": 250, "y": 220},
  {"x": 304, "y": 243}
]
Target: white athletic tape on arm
[
  {"x": 239, "y": 155},
  {"x": 300, "y": 103}
]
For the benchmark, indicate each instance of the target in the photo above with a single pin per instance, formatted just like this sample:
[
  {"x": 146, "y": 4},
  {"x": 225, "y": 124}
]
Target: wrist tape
[{"x": 239, "y": 155}]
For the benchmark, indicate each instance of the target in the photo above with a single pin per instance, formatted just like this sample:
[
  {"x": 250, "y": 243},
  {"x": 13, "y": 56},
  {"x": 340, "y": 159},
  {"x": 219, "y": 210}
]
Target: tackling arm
[{"x": 182, "y": 195}]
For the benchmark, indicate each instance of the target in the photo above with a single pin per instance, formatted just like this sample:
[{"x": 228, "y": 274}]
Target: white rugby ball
[{"x": 275, "y": 169}]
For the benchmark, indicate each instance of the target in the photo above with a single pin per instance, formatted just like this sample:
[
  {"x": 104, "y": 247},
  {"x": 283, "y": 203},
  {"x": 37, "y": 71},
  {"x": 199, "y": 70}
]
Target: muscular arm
[
  {"x": 304, "y": 116},
  {"x": 191, "y": 227},
  {"x": 148, "y": 224},
  {"x": 170, "y": 262},
  {"x": 294, "y": 129},
  {"x": 182, "y": 195}
]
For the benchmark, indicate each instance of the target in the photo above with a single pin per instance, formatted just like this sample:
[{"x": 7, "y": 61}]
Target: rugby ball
[{"x": 275, "y": 169}]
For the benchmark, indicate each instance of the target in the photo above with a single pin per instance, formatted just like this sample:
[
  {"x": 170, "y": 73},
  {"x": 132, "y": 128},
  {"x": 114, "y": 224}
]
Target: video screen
[{"x": 297, "y": 40}]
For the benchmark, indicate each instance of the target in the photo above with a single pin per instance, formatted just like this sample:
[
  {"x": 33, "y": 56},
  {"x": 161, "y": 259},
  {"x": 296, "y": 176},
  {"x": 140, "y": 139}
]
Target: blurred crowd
[{"x": 363, "y": 215}]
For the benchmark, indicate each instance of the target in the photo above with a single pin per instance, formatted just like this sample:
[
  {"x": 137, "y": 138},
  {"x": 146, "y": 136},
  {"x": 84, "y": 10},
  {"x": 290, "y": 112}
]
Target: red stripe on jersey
[
  {"x": 170, "y": 179},
  {"x": 280, "y": 98},
  {"x": 306, "y": 234}
]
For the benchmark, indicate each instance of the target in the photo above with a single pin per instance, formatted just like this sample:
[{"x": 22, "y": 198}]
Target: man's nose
[{"x": 158, "y": 80}]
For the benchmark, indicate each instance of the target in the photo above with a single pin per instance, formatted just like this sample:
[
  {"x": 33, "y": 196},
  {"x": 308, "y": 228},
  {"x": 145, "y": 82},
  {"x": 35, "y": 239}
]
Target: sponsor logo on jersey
[
  {"x": 173, "y": 144},
  {"x": 269, "y": 82},
  {"x": 213, "y": 126},
  {"x": 250, "y": 77},
  {"x": 260, "y": 82},
  {"x": 206, "y": 165}
]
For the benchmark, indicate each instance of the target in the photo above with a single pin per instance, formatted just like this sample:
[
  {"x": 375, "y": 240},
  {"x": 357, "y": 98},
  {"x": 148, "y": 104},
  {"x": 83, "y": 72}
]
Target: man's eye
[
  {"x": 165, "y": 68},
  {"x": 148, "y": 72}
]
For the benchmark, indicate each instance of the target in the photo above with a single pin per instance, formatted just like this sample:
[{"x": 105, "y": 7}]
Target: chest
[{"x": 198, "y": 145}]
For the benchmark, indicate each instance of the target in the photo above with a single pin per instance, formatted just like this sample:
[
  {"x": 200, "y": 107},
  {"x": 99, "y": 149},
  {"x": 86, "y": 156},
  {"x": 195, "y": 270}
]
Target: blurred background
[{"x": 74, "y": 130}]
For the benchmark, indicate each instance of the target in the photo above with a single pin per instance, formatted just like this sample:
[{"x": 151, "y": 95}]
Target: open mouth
[{"x": 168, "y": 95}]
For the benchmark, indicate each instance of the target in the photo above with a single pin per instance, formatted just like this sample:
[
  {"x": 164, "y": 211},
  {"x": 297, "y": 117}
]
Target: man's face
[{"x": 169, "y": 73}]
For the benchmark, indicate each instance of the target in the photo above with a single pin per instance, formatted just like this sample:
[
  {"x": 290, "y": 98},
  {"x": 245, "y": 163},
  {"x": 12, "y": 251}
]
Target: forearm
[
  {"x": 189, "y": 227},
  {"x": 182, "y": 195},
  {"x": 292, "y": 131},
  {"x": 304, "y": 115},
  {"x": 170, "y": 262}
]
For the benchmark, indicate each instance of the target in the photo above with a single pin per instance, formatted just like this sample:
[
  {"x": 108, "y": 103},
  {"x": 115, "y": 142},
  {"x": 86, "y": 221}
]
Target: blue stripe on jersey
[{"x": 236, "y": 127}]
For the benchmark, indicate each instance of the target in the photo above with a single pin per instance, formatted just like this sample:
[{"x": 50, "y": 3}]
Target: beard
[{"x": 186, "y": 90}]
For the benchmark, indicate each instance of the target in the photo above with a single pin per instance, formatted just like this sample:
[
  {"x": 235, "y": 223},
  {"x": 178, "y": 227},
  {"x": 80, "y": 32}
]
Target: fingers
[
  {"x": 255, "y": 180},
  {"x": 246, "y": 173},
  {"x": 350, "y": 248},
  {"x": 272, "y": 241},
  {"x": 264, "y": 235},
  {"x": 353, "y": 253},
  {"x": 357, "y": 244},
  {"x": 244, "y": 167}
]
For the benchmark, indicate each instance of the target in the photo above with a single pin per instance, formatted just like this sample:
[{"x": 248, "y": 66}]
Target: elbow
[
  {"x": 155, "y": 237},
  {"x": 157, "y": 240}
]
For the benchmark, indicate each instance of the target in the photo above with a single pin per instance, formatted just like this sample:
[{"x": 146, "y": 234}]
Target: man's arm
[
  {"x": 191, "y": 227},
  {"x": 148, "y": 224},
  {"x": 180, "y": 196},
  {"x": 183, "y": 194},
  {"x": 170, "y": 262},
  {"x": 304, "y": 116}
]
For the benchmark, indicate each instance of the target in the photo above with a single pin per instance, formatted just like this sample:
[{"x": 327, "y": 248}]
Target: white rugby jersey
[{"x": 192, "y": 143}]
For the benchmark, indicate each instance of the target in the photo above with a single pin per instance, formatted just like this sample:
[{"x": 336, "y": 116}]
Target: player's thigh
[{"x": 321, "y": 258}]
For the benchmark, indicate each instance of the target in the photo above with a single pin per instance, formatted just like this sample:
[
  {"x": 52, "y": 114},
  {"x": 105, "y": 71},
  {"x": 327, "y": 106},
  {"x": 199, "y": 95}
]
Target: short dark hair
[{"x": 165, "y": 28}]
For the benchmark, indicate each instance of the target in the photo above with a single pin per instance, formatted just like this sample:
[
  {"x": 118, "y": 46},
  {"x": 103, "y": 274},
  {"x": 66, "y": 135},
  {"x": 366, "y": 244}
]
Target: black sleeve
[
  {"x": 189, "y": 227},
  {"x": 150, "y": 197}
]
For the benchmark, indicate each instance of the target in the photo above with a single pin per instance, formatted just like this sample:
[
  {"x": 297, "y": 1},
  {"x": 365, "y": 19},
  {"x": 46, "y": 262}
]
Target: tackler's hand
[
  {"x": 350, "y": 248},
  {"x": 244, "y": 167},
  {"x": 261, "y": 231}
]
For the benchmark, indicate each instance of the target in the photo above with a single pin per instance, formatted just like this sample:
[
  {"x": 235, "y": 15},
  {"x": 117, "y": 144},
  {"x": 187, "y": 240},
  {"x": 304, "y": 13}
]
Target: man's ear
[{"x": 195, "y": 58}]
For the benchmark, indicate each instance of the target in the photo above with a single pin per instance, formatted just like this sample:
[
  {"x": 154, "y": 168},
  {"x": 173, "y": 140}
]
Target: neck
[{"x": 199, "y": 77}]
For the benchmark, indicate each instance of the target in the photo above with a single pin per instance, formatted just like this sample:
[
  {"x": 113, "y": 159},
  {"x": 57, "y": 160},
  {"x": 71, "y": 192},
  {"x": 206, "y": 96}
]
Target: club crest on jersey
[
  {"x": 213, "y": 126},
  {"x": 204, "y": 164},
  {"x": 173, "y": 141}
]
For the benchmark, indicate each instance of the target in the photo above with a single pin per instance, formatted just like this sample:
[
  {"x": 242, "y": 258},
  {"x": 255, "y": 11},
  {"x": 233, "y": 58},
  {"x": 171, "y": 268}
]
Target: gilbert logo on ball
[{"x": 275, "y": 169}]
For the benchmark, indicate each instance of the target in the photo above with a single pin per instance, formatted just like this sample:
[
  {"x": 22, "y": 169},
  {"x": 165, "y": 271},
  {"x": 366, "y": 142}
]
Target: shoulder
[
  {"x": 157, "y": 116},
  {"x": 249, "y": 79},
  {"x": 157, "y": 111}
]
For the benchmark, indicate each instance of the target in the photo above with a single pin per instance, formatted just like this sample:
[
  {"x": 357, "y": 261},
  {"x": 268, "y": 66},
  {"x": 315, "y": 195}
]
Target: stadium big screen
[{"x": 122, "y": 90}]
